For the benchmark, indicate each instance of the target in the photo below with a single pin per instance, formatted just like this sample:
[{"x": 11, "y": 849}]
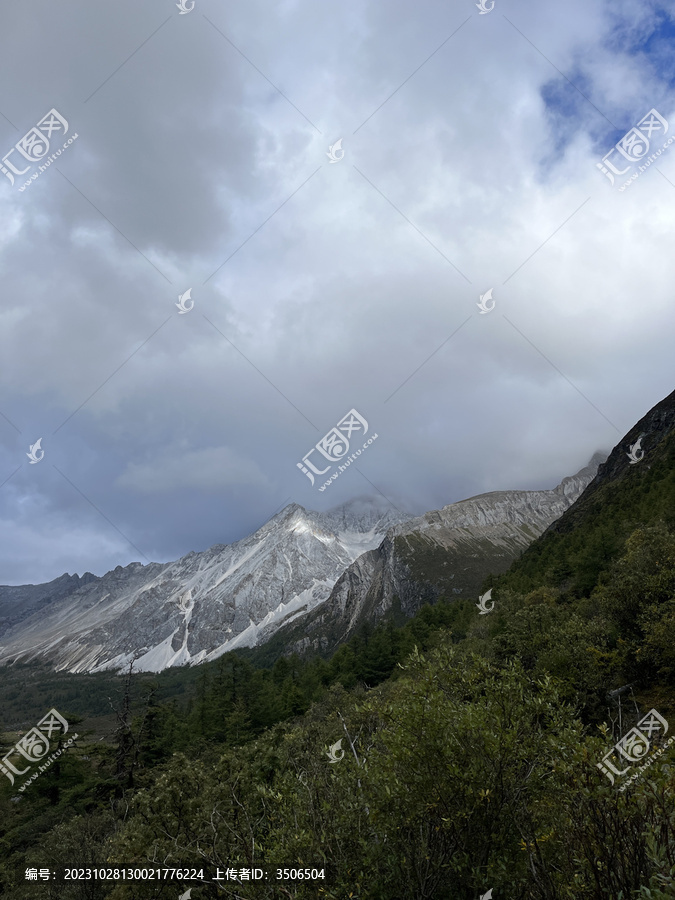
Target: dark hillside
[{"x": 574, "y": 551}]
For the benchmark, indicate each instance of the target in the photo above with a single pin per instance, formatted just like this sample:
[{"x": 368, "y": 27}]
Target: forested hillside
[
  {"x": 471, "y": 742},
  {"x": 579, "y": 546}
]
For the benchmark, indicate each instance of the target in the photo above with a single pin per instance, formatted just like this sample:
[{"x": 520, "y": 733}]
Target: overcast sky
[{"x": 468, "y": 162}]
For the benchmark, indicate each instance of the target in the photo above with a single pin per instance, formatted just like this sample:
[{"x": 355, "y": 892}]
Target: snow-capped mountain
[
  {"x": 444, "y": 553},
  {"x": 194, "y": 609},
  {"x": 305, "y": 578}
]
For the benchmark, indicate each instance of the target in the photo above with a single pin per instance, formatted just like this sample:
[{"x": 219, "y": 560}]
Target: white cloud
[{"x": 328, "y": 299}]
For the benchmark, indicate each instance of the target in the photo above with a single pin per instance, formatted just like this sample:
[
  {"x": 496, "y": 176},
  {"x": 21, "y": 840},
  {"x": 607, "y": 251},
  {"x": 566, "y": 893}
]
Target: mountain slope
[
  {"x": 583, "y": 542},
  {"x": 19, "y": 602},
  {"x": 304, "y": 579},
  {"x": 443, "y": 554},
  {"x": 196, "y": 608}
]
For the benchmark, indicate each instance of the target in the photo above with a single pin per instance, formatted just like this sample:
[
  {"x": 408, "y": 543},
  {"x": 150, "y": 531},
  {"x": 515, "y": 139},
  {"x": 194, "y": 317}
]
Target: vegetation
[
  {"x": 470, "y": 745},
  {"x": 577, "y": 551}
]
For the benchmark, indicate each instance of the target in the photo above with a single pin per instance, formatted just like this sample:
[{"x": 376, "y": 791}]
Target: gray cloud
[{"x": 333, "y": 283}]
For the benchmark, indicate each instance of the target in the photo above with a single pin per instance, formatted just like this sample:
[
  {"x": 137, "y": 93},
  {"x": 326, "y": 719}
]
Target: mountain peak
[
  {"x": 286, "y": 512},
  {"x": 198, "y": 607},
  {"x": 234, "y": 595}
]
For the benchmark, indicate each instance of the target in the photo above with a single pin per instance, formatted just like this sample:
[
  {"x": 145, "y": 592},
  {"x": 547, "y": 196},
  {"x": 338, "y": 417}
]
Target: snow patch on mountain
[{"x": 204, "y": 604}]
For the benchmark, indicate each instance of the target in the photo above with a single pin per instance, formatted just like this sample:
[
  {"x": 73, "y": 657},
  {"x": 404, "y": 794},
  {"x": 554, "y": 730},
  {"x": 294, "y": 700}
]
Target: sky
[{"x": 466, "y": 145}]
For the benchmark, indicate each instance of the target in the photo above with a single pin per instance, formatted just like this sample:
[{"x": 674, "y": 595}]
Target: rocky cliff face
[
  {"x": 304, "y": 578},
  {"x": 194, "y": 609},
  {"x": 19, "y": 602},
  {"x": 446, "y": 553}
]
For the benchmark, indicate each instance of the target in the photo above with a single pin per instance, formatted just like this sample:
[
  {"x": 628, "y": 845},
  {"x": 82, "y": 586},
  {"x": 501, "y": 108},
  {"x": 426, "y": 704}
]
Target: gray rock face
[
  {"x": 19, "y": 602},
  {"x": 448, "y": 552},
  {"x": 194, "y": 609},
  {"x": 310, "y": 576}
]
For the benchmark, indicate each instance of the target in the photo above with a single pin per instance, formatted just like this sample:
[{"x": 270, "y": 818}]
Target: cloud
[
  {"x": 471, "y": 145},
  {"x": 208, "y": 469}
]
